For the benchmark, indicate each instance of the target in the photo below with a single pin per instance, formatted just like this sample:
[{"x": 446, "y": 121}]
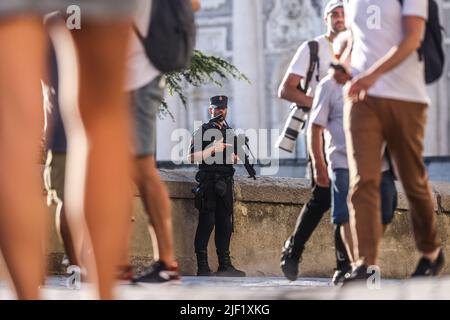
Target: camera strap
[{"x": 313, "y": 64}]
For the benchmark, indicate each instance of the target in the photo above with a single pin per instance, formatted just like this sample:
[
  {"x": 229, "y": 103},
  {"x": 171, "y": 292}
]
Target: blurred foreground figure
[
  {"x": 103, "y": 191},
  {"x": 22, "y": 213},
  {"x": 146, "y": 87},
  {"x": 387, "y": 102}
]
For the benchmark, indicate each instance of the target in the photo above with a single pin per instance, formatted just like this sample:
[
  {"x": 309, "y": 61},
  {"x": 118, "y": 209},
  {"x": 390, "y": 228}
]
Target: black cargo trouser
[
  {"x": 310, "y": 216},
  {"x": 216, "y": 210},
  {"x": 308, "y": 220}
]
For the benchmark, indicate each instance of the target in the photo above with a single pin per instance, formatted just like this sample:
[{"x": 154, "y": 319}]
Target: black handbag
[{"x": 170, "y": 40}]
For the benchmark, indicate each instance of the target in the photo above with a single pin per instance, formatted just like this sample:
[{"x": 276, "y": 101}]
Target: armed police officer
[{"x": 212, "y": 148}]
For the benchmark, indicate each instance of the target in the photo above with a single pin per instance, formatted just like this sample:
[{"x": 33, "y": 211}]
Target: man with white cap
[{"x": 295, "y": 77}]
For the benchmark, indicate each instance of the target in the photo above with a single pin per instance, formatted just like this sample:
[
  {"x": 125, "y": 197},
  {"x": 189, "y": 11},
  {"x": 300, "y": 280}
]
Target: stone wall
[{"x": 265, "y": 214}]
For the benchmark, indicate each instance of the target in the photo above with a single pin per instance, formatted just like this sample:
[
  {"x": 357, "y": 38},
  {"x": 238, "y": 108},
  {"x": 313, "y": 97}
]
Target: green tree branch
[{"x": 205, "y": 69}]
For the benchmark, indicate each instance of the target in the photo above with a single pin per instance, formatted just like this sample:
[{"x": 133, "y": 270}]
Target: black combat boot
[
  {"x": 290, "y": 259},
  {"x": 202, "y": 264},
  {"x": 226, "y": 269}
]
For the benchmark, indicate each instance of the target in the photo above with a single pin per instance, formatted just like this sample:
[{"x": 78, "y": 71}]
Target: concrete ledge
[{"x": 265, "y": 214}]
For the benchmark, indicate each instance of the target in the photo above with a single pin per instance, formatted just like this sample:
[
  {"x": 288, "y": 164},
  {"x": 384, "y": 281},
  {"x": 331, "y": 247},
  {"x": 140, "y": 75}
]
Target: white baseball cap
[{"x": 331, "y": 5}]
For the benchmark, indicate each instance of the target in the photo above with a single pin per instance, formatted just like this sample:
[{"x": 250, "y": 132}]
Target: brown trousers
[{"x": 368, "y": 124}]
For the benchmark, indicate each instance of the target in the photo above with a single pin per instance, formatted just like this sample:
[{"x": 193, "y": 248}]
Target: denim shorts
[
  {"x": 339, "y": 193},
  {"x": 145, "y": 102},
  {"x": 388, "y": 197}
]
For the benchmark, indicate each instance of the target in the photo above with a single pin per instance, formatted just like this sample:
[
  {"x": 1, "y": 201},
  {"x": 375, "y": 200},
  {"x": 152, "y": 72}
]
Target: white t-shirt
[
  {"x": 140, "y": 70},
  {"x": 377, "y": 27},
  {"x": 300, "y": 62}
]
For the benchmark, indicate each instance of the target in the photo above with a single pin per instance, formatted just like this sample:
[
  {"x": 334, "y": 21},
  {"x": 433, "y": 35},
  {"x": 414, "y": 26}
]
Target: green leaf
[{"x": 204, "y": 70}]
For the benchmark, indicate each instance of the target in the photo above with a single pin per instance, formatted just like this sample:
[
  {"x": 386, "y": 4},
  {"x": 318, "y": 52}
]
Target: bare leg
[
  {"x": 349, "y": 242},
  {"x": 64, "y": 232},
  {"x": 125, "y": 269},
  {"x": 157, "y": 206},
  {"x": 102, "y": 48},
  {"x": 22, "y": 209}
]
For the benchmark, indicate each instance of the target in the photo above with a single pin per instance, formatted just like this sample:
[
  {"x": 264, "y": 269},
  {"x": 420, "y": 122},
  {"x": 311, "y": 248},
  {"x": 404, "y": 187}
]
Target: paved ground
[{"x": 253, "y": 288}]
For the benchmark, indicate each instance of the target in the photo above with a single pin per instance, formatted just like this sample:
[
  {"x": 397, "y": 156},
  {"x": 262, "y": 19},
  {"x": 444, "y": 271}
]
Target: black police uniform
[{"x": 214, "y": 196}]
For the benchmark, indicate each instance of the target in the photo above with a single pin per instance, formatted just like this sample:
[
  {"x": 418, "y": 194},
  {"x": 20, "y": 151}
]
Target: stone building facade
[{"x": 260, "y": 37}]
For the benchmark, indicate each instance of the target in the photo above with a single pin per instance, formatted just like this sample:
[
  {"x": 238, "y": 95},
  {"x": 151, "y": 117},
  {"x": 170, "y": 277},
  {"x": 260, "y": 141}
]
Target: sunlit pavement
[{"x": 252, "y": 288}]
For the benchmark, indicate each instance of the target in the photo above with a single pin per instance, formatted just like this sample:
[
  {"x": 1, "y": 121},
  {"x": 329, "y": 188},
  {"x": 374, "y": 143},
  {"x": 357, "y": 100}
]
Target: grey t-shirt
[{"x": 328, "y": 112}]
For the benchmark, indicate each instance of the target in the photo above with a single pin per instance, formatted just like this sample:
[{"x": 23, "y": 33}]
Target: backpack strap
[
  {"x": 313, "y": 64},
  {"x": 139, "y": 35}
]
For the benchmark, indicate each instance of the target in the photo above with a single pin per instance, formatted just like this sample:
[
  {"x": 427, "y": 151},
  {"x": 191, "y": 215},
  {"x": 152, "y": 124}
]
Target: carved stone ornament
[{"x": 290, "y": 23}]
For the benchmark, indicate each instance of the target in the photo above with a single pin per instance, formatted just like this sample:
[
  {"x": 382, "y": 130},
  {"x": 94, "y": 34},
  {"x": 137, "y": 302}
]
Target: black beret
[{"x": 218, "y": 101}]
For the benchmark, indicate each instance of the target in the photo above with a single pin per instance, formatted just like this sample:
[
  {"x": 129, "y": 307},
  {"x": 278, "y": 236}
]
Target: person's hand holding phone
[{"x": 340, "y": 74}]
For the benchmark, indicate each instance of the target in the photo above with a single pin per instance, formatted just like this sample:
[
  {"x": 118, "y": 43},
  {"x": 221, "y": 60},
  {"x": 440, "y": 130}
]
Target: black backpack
[
  {"x": 171, "y": 35},
  {"x": 431, "y": 50}
]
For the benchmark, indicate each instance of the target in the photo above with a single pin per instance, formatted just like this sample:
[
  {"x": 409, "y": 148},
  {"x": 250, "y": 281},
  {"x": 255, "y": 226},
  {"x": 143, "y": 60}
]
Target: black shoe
[
  {"x": 426, "y": 268},
  {"x": 158, "y": 272},
  {"x": 290, "y": 260},
  {"x": 203, "y": 269},
  {"x": 229, "y": 271},
  {"x": 205, "y": 273},
  {"x": 359, "y": 274},
  {"x": 125, "y": 274},
  {"x": 340, "y": 275},
  {"x": 226, "y": 269}
]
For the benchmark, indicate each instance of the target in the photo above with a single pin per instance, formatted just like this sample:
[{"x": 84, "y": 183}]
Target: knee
[
  {"x": 321, "y": 198},
  {"x": 363, "y": 184},
  {"x": 417, "y": 188},
  {"x": 206, "y": 218}
]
